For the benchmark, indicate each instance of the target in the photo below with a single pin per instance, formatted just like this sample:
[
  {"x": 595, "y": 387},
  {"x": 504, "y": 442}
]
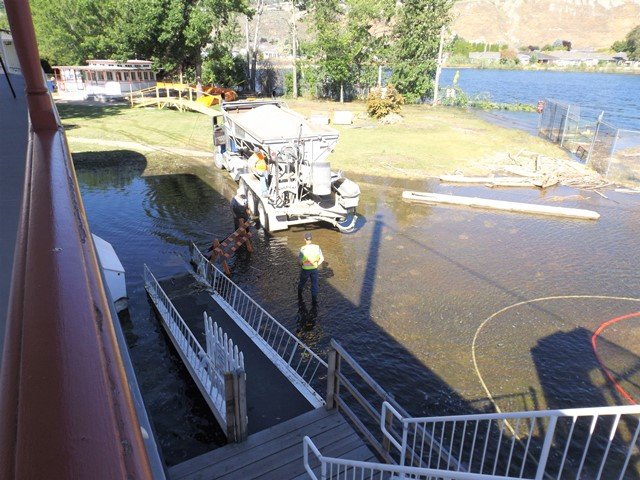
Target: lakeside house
[
  {"x": 103, "y": 79},
  {"x": 582, "y": 58},
  {"x": 560, "y": 59},
  {"x": 484, "y": 57}
]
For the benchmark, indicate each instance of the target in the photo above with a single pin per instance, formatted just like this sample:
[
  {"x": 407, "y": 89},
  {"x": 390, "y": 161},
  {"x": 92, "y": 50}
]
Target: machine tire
[
  {"x": 252, "y": 202},
  {"x": 242, "y": 185},
  {"x": 218, "y": 161},
  {"x": 264, "y": 218}
]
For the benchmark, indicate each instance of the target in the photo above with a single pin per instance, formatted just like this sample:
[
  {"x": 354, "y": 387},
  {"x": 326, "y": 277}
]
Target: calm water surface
[
  {"x": 406, "y": 294},
  {"x": 616, "y": 94}
]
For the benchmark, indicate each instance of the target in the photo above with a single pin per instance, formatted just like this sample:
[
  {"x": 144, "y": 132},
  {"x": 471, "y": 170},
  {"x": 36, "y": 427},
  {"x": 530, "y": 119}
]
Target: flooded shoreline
[{"x": 446, "y": 307}]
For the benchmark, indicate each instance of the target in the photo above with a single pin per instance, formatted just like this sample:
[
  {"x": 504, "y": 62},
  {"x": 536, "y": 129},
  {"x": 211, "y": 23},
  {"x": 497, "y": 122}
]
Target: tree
[
  {"x": 252, "y": 47},
  {"x": 508, "y": 55},
  {"x": 631, "y": 44},
  {"x": 415, "y": 46},
  {"x": 4, "y": 23},
  {"x": 349, "y": 39},
  {"x": 331, "y": 49},
  {"x": 71, "y": 31},
  {"x": 296, "y": 6},
  {"x": 172, "y": 33}
]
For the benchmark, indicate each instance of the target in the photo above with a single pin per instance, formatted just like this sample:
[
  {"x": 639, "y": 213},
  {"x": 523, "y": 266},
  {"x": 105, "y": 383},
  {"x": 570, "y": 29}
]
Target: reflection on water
[{"x": 406, "y": 294}]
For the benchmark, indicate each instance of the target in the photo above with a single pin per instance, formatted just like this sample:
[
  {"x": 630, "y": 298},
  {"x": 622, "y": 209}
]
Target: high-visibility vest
[
  {"x": 310, "y": 256},
  {"x": 259, "y": 163}
]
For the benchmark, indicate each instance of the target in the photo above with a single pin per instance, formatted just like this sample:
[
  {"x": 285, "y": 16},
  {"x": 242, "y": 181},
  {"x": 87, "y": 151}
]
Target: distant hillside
[{"x": 586, "y": 23}]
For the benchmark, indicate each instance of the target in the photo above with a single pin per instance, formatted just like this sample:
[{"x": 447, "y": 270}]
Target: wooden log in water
[
  {"x": 489, "y": 181},
  {"x": 516, "y": 207}
]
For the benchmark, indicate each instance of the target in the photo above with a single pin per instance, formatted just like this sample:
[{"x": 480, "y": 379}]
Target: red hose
[{"x": 594, "y": 340}]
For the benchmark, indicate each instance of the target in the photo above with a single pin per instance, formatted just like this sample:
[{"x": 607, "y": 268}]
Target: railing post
[
  {"x": 241, "y": 410},
  {"x": 388, "y": 419},
  {"x": 595, "y": 138},
  {"x": 235, "y": 395},
  {"x": 332, "y": 378},
  {"x": 229, "y": 406},
  {"x": 544, "y": 455}
]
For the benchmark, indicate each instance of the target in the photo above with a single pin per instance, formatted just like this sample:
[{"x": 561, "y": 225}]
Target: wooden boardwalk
[
  {"x": 271, "y": 397},
  {"x": 276, "y": 453}
]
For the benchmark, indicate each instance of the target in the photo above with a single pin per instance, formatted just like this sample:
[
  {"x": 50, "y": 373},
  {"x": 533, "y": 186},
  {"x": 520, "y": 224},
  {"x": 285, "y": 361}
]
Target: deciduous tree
[
  {"x": 415, "y": 46},
  {"x": 345, "y": 40},
  {"x": 172, "y": 33},
  {"x": 631, "y": 44}
]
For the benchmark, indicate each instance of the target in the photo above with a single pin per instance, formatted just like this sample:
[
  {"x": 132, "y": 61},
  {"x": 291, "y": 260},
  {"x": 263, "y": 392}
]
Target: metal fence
[
  {"x": 598, "y": 443},
  {"x": 301, "y": 365},
  {"x": 616, "y": 154},
  {"x": 610, "y": 151}
]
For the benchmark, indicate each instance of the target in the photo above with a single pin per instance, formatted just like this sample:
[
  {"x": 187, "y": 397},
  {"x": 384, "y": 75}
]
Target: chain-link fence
[
  {"x": 561, "y": 123},
  {"x": 622, "y": 160},
  {"x": 612, "y": 152}
]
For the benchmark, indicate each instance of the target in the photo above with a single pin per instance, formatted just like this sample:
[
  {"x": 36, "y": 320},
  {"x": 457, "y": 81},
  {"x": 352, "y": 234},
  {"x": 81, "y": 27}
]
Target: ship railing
[
  {"x": 593, "y": 443},
  {"x": 301, "y": 365},
  {"x": 360, "y": 398},
  {"x": 217, "y": 370}
]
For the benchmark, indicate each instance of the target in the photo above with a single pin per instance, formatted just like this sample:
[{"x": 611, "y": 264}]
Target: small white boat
[{"x": 113, "y": 273}]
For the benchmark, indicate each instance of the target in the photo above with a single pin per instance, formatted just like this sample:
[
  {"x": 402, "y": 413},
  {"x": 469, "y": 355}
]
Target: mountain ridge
[{"x": 585, "y": 23}]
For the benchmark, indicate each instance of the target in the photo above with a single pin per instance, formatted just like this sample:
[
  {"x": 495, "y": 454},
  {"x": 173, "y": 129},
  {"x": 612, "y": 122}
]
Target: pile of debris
[
  {"x": 530, "y": 169},
  {"x": 547, "y": 171}
]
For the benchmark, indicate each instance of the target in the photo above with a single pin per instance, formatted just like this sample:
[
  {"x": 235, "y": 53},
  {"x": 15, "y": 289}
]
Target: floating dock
[
  {"x": 271, "y": 397},
  {"x": 270, "y": 410}
]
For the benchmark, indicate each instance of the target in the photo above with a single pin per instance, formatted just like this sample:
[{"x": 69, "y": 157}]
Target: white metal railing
[
  {"x": 210, "y": 367},
  {"x": 301, "y": 365},
  {"x": 320, "y": 467},
  {"x": 594, "y": 443}
]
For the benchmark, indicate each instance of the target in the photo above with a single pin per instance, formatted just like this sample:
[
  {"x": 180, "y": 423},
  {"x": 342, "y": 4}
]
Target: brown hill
[{"x": 585, "y": 23}]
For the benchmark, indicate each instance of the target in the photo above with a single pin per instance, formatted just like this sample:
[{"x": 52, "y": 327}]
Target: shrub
[{"x": 383, "y": 101}]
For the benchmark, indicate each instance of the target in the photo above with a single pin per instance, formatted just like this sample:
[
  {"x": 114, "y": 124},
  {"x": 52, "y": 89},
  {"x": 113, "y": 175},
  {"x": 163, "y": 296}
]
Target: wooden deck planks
[{"x": 276, "y": 453}]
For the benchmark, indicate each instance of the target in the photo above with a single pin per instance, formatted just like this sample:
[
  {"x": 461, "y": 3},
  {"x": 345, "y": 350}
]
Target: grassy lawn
[
  {"x": 150, "y": 126},
  {"x": 430, "y": 141}
]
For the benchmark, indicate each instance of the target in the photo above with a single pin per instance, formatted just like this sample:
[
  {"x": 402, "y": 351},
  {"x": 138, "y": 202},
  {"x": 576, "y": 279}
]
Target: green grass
[
  {"x": 429, "y": 141},
  {"x": 169, "y": 128}
]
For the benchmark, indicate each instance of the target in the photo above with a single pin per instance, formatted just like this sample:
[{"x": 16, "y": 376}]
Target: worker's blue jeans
[{"x": 306, "y": 275}]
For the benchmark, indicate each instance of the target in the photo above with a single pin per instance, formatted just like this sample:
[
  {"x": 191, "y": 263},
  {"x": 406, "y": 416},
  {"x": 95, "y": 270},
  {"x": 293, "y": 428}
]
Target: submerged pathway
[{"x": 271, "y": 397}]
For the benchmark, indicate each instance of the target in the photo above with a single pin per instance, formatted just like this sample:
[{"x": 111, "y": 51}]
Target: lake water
[
  {"x": 616, "y": 94},
  {"x": 415, "y": 295}
]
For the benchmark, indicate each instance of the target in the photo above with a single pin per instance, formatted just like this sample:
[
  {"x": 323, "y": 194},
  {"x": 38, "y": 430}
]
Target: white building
[
  {"x": 103, "y": 78},
  {"x": 484, "y": 57},
  {"x": 8, "y": 52}
]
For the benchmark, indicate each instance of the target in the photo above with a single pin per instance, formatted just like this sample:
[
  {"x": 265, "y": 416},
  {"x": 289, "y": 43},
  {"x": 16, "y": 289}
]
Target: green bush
[
  {"x": 383, "y": 101},
  {"x": 453, "y": 96}
]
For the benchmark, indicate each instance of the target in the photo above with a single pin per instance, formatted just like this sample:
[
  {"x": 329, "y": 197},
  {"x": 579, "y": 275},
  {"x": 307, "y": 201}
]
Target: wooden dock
[
  {"x": 271, "y": 397},
  {"x": 279, "y": 414},
  {"x": 276, "y": 453}
]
